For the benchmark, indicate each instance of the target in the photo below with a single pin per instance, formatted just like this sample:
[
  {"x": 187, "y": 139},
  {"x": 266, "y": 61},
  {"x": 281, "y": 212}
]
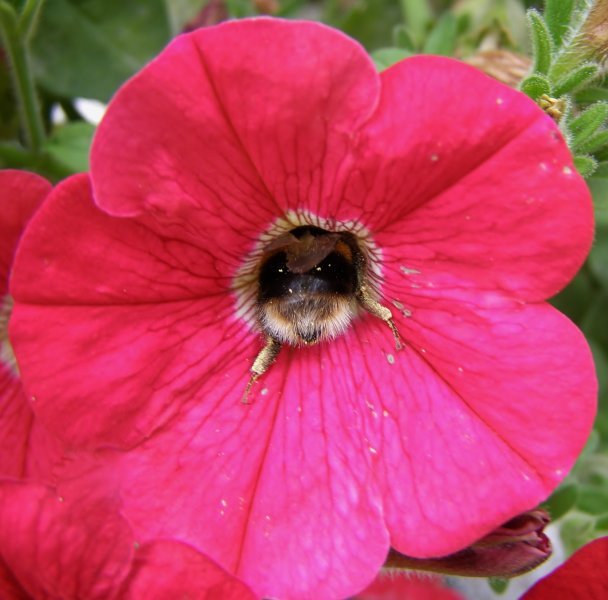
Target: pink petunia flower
[
  {"x": 51, "y": 547},
  {"x": 20, "y": 195},
  {"x": 135, "y": 317},
  {"x": 582, "y": 577}
]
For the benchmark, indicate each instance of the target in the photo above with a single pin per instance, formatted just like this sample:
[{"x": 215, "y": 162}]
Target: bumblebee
[{"x": 311, "y": 283}]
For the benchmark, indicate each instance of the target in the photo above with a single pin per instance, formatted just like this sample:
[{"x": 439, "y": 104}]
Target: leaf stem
[
  {"x": 29, "y": 18},
  {"x": 17, "y": 52}
]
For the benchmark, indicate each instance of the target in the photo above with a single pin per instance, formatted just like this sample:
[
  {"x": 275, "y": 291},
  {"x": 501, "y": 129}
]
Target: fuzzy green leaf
[
  {"x": 557, "y": 15},
  {"x": 535, "y": 86},
  {"x": 576, "y": 79},
  {"x": 585, "y": 165},
  {"x": 541, "y": 42},
  {"x": 590, "y": 95},
  {"x": 595, "y": 142},
  {"x": 588, "y": 122}
]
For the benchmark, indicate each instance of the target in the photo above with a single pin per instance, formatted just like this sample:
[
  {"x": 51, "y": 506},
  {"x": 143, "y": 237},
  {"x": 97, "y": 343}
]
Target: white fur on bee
[{"x": 297, "y": 317}]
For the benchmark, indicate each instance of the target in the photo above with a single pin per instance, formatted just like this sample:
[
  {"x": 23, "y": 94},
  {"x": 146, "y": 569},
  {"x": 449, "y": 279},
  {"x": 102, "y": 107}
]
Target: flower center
[
  {"x": 307, "y": 285},
  {"x": 305, "y": 282}
]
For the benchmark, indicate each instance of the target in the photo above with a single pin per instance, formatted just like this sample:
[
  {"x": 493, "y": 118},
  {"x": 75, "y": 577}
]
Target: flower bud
[{"x": 512, "y": 549}]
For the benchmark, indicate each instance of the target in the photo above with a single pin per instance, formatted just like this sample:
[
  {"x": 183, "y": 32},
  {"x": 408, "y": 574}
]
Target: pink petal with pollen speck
[
  {"x": 280, "y": 492},
  {"x": 466, "y": 190},
  {"x": 440, "y": 444},
  {"x": 149, "y": 326}
]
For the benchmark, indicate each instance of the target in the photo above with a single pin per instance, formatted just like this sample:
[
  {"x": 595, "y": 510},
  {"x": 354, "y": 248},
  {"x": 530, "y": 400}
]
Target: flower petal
[
  {"x": 75, "y": 254},
  {"x": 477, "y": 419},
  {"x": 279, "y": 492},
  {"x": 21, "y": 193},
  {"x": 124, "y": 313},
  {"x": 58, "y": 548},
  {"x": 168, "y": 569},
  {"x": 581, "y": 577},
  {"x": 220, "y": 123},
  {"x": 474, "y": 190},
  {"x": 15, "y": 425},
  {"x": 407, "y": 586}
]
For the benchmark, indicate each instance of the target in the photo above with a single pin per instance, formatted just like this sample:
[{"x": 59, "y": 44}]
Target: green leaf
[
  {"x": 416, "y": 15},
  {"x": 238, "y": 9},
  {"x": 535, "y": 86},
  {"x": 595, "y": 323},
  {"x": 598, "y": 184},
  {"x": 601, "y": 524},
  {"x": 561, "y": 501},
  {"x": 557, "y": 15},
  {"x": 69, "y": 146},
  {"x": 583, "y": 126},
  {"x": 576, "y": 297},
  {"x": 386, "y": 57},
  {"x": 442, "y": 38},
  {"x": 498, "y": 584},
  {"x": 576, "y": 531},
  {"x": 590, "y": 95},
  {"x": 593, "y": 143},
  {"x": 181, "y": 12},
  {"x": 88, "y": 48},
  {"x": 592, "y": 501},
  {"x": 369, "y": 22},
  {"x": 576, "y": 79},
  {"x": 403, "y": 39},
  {"x": 600, "y": 358},
  {"x": 541, "y": 42},
  {"x": 585, "y": 165},
  {"x": 598, "y": 258}
]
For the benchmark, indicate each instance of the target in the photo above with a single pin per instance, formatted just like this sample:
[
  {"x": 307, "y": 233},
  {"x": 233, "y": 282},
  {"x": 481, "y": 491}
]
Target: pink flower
[
  {"x": 408, "y": 586},
  {"x": 20, "y": 195},
  {"x": 135, "y": 308},
  {"x": 51, "y": 547},
  {"x": 582, "y": 577}
]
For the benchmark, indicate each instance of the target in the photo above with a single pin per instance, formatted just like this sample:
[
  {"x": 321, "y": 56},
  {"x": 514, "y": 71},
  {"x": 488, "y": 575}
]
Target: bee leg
[
  {"x": 376, "y": 309},
  {"x": 263, "y": 360}
]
